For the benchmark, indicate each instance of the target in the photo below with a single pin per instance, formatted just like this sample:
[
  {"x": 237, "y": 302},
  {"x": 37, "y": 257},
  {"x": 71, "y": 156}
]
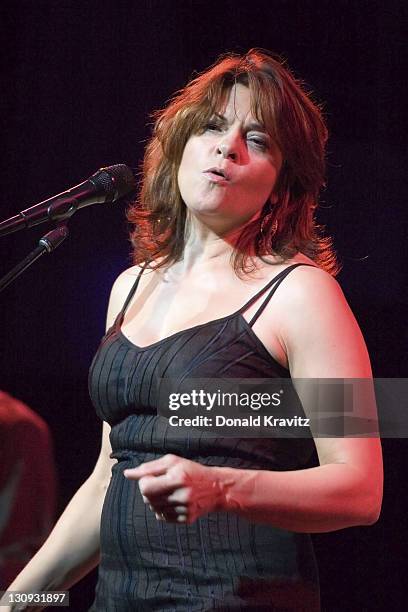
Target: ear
[{"x": 273, "y": 198}]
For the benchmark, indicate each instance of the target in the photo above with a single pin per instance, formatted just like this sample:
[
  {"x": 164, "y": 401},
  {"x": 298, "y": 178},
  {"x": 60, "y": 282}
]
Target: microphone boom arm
[{"x": 46, "y": 244}]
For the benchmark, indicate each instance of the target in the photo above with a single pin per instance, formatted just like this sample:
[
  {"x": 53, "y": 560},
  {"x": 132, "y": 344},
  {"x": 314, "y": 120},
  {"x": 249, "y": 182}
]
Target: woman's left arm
[{"x": 322, "y": 340}]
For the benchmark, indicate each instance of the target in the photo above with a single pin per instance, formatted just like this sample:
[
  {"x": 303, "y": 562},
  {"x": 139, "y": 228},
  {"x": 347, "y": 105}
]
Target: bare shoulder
[
  {"x": 126, "y": 278},
  {"x": 307, "y": 285},
  {"x": 318, "y": 328},
  {"x": 120, "y": 290}
]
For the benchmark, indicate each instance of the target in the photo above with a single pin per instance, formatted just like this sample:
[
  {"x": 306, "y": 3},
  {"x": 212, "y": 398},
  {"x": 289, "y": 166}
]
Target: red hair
[{"x": 295, "y": 123}]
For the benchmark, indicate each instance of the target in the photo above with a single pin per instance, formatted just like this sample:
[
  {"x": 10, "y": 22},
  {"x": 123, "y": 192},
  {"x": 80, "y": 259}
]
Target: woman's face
[{"x": 229, "y": 171}]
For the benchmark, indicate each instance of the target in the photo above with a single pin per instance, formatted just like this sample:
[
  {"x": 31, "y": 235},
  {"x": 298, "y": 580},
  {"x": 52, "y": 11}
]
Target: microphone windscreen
[{"x": 116, "y": 181}]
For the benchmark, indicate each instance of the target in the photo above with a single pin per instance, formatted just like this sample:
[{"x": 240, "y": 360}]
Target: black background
[{"x": 79, "y": 80}]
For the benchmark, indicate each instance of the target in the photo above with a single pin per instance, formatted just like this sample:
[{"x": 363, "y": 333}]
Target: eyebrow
[{"x": 254, "y": 125}]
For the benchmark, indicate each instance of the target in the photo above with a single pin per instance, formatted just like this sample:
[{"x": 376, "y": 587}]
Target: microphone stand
[{"x": 48, "y": 243}]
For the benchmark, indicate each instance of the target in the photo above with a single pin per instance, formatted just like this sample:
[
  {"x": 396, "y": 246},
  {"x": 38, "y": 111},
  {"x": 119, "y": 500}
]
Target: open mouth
[{"x": 216, "y": 173}]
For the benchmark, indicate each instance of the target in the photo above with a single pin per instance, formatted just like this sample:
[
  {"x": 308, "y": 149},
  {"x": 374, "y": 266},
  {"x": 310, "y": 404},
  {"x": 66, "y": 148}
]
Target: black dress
[{"x": 222, "y": 561}]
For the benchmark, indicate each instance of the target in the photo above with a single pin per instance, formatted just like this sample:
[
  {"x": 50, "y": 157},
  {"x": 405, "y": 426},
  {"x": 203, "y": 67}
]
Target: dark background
[{"x": 79, "y": 80}]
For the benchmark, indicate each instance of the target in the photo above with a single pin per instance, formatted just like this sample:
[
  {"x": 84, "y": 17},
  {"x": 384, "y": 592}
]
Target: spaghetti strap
[
  {"x": 274, "y": 283},
  {"x": 132, "y": 292}
]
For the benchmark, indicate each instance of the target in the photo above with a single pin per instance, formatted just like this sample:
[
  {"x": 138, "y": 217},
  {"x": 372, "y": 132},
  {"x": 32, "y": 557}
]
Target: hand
[{"x": 176, "y": 489}]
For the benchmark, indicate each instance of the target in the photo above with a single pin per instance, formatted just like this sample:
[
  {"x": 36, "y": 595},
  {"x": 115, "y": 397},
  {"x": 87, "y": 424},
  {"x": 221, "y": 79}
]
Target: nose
[
  {"x": 229, "y": 148},
  {"x": 226, "y": 150}
]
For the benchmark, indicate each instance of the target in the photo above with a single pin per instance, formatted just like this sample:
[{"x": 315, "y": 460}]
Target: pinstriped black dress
[{"x": 222, "y": 561}]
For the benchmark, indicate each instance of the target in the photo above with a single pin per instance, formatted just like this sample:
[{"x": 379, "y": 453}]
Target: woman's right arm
[{"x": 72, "y": 548}]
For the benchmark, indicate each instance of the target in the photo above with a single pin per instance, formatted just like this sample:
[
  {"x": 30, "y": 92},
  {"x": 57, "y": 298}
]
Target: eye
[
  {"x": 212, "y": 126},
  {"x": 260, "y": 142}
]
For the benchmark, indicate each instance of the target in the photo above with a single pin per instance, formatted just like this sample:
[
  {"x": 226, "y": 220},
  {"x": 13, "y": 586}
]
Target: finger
[
  {"x": 181, "y": 495},
  {"x": 156, "y": 487},
  {"x": 147, "y": 469},
  {"x": 172, "y": 515},
  {"x": 171, "y": 496},
  {"x": 172, "y": 519},
  {"x": 169, "y": 510},
  {"x": 166, "y": 496},
  {"x": 156, "y": 467}
]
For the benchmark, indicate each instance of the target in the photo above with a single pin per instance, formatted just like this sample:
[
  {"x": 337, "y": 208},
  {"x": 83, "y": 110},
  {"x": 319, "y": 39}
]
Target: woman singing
[{"x": 233, "y": 279}]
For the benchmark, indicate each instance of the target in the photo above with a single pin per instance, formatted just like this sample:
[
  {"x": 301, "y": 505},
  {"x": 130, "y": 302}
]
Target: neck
[{"x": 206, "y": 247}]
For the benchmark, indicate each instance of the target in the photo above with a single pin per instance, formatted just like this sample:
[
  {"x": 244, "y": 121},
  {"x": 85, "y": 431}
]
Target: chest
[
  {"x": 125, "y": 378},
  {"x": 161, "y": 309}
]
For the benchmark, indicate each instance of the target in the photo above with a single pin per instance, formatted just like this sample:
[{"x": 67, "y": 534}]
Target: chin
[{"x": 208, "y": 209}]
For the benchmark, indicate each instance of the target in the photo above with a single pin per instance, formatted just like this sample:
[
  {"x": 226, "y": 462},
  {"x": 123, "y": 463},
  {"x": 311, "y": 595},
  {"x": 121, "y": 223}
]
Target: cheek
[
  {"x": 182, "y": 175},
  {"x": 186, "y": 165},
  {"x": 263, "y": 181}
]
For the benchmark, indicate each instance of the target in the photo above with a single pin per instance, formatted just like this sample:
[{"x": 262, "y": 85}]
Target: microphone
[{"x": 106, "y": 185}]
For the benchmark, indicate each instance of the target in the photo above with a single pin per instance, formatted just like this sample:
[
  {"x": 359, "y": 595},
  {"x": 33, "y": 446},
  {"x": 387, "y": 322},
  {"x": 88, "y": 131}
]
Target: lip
[{"x": 216, "y": 174}]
